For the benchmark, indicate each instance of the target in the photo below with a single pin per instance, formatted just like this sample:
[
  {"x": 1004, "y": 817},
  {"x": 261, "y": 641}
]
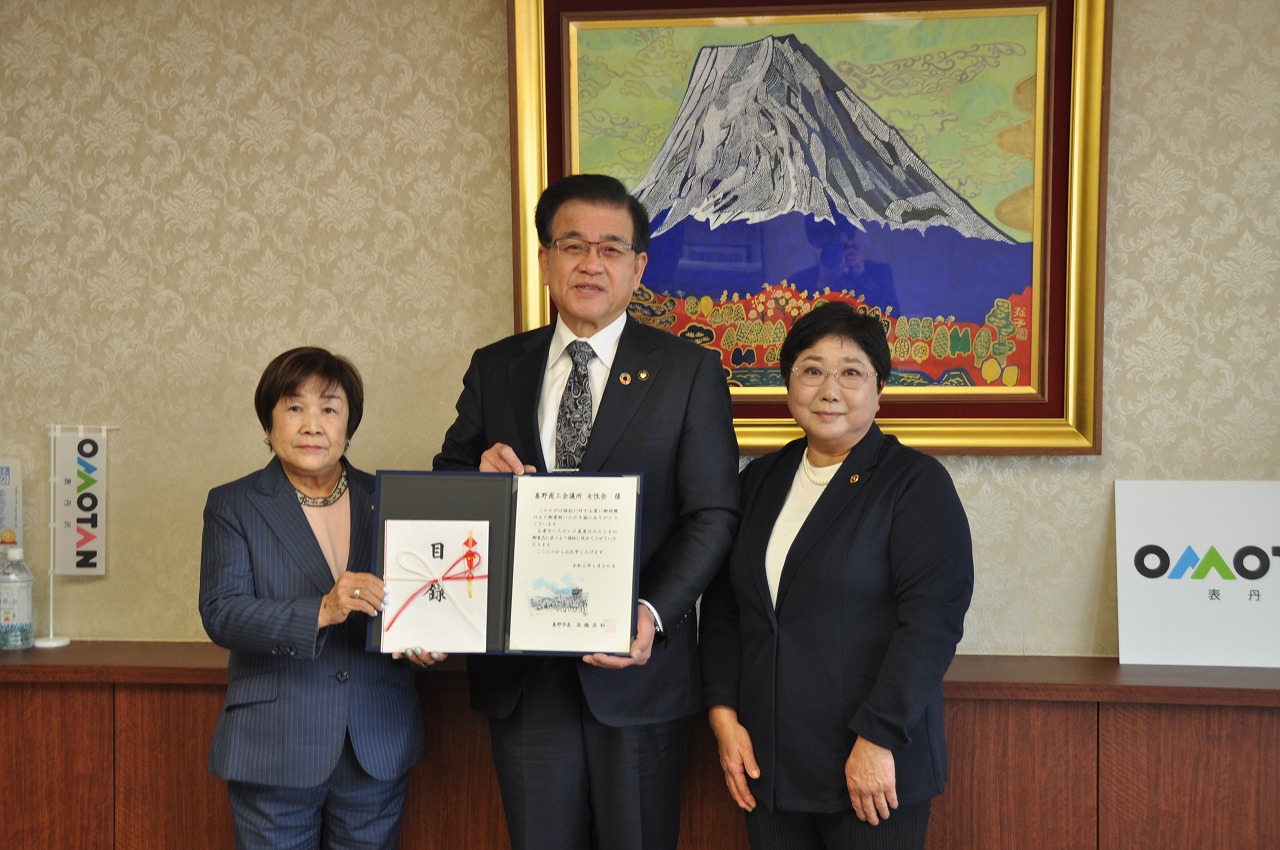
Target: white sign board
[{"x": 1198, "y": 572}]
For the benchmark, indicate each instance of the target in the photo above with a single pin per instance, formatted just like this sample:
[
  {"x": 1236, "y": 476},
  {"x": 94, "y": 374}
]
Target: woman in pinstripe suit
[{"x": 317, "y": 735}]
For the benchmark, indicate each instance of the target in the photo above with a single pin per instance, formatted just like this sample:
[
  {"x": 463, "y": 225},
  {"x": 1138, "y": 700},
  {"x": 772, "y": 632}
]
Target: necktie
[{"x": 573, "y": 421}]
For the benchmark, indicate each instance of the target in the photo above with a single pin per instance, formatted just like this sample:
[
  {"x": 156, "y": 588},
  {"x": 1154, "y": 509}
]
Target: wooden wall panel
[
  {"x": 104, "y": 744},
  {"x": 1189, "y": 777},
  {"x": 1023, "y": 776},
  {"x": 452, "y": 802},
  {"x": 708, "y": 816},
  {"x": 55, "y": 766},
  {"x": 164, "y": 796}
]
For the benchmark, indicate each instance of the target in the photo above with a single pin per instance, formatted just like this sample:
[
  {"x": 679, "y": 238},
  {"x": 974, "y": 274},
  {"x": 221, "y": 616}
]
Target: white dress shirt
[{"x": 559, "y": 365}]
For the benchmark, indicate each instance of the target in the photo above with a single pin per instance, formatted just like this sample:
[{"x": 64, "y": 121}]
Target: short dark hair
[
  {"x": 598, "y": 189},
  {"x": 290, "y": 370},
  {"x": 838, "y": 319}
]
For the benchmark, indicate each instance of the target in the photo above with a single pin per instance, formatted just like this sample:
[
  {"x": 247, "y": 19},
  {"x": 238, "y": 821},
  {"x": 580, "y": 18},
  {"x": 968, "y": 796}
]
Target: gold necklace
[
  {"x": 808, "y": 470},
  {"x": 324, "y": 501}
]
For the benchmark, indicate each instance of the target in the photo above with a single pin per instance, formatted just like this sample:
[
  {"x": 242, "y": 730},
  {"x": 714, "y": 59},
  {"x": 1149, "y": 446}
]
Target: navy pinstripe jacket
[{"x": 295, "y": 693}]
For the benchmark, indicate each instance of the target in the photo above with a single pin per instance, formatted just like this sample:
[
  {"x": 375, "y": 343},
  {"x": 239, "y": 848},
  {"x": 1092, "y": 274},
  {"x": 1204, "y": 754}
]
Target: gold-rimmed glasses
[{"x": 849, "y": 377}]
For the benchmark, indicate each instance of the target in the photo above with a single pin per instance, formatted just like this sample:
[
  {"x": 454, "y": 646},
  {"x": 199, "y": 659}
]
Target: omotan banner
[
  {"x": 79, "y": 500},
  {"x": 1198, "y": 572}
]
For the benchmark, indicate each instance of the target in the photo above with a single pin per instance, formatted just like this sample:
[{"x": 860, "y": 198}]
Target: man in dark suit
[{"x": 598, "y": 744}]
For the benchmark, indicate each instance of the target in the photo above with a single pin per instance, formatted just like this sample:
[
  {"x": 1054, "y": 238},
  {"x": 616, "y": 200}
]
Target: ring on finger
[{"x": 356, "y": 593}]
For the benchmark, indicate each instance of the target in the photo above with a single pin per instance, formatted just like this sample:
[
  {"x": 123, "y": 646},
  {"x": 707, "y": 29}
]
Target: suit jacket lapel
[
  {"x": 770, "y": 496},
  {"x": 275, "y": 498},
  {"x": 641, "y": 363},
  {"x": 524, "y": 376},
  {"x": 360, "y": 558},
  {"x": 832, "y": 504}
]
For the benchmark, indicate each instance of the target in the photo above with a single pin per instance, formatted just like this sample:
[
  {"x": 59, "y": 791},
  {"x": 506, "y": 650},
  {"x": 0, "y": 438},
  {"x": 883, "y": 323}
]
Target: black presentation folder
[{"x": 576, "y": 533}]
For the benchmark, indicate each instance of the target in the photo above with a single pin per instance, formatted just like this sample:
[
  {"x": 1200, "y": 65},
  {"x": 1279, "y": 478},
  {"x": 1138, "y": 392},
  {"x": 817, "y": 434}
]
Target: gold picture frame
[{"x": 1057, "y": 408}]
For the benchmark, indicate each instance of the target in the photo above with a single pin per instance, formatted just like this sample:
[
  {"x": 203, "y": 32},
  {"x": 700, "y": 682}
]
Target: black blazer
[
  {"x": 871, "y": 605},
  {"x": 673, "y": 423}
]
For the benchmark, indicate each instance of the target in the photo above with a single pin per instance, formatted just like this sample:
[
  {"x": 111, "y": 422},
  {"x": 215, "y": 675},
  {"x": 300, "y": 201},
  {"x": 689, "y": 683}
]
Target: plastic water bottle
[{"x": 16, "y": 626}]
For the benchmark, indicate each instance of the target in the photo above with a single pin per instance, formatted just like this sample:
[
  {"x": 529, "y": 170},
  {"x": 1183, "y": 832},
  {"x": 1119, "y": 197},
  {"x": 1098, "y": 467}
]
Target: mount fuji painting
[
  {"x": 777, "y": 187},
  {"x": 767, "y": 129}
]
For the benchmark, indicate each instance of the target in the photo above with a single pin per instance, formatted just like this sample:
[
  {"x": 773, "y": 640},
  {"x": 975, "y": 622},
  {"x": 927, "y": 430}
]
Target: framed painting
[{"x": 939, "y": 165}]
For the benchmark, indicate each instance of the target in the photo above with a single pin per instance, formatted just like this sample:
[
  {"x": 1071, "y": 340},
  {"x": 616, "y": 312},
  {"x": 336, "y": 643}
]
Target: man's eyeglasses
[
  {"x": 609, "y": 250},
  {"x": 849, "y": 377}
]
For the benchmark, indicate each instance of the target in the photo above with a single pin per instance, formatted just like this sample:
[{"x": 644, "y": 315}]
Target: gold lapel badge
[
  {"x": 853, "y": 479},
  {"x": 644, "y": 374}
]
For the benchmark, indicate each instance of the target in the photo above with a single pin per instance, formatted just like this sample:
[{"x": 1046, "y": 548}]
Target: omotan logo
[
  {"x": 1249, "y": 562},
  {"x": 87, "y": 504}
]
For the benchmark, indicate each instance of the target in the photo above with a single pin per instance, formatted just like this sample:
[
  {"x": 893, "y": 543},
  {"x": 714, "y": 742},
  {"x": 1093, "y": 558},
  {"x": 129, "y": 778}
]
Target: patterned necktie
[{"x": 573, "y": 422}]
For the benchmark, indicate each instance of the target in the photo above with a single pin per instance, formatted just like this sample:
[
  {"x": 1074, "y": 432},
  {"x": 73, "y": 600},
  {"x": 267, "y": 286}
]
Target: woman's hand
[
  {"x": 872, "y": 781},
  {"x": 737, "y": 758},
  {"x": 366, "y": 594},
  {"x": 353, "y": 592},
  {"x": 420, "y": 657}
]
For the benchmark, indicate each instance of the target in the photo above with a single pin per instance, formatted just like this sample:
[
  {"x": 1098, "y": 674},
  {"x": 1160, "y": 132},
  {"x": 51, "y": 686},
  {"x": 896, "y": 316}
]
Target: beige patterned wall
[{"x": 187, "y": 189}]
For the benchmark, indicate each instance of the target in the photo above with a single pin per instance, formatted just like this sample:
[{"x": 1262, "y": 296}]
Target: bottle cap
[{"x": 15, "y": 553}]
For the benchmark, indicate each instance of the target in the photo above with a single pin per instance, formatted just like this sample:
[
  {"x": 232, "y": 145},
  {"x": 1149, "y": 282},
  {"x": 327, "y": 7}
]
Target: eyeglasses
[
  {"x": 609, "y": 250},
  {"x": 849, "y": 377}
]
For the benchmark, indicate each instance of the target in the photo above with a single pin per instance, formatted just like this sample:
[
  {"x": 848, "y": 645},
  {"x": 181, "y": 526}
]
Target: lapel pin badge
[
  {"x": 853, "y": 479},
  {"x": 624, "y": 378},
  {"x": 644, "y": 374}
]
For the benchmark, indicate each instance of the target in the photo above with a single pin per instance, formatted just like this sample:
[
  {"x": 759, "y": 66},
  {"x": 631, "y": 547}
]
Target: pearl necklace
[
  {"x": 323, "y": 501},
  {"x": 808, "y": 470}
]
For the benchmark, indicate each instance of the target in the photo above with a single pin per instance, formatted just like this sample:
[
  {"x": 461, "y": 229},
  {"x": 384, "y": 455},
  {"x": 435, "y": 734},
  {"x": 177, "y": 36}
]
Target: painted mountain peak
[{"x": 768, "y": 129}]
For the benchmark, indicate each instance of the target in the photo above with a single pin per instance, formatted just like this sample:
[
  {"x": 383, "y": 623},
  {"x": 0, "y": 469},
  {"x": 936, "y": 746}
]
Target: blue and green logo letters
[{"x": 1249, "y": 562}]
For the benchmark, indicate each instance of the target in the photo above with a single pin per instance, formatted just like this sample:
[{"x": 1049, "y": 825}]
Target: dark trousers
[
  {"x": 904, "y": 829},
  {"x": 565, "y": 776},
  {"x": 350, "y": 811}
]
